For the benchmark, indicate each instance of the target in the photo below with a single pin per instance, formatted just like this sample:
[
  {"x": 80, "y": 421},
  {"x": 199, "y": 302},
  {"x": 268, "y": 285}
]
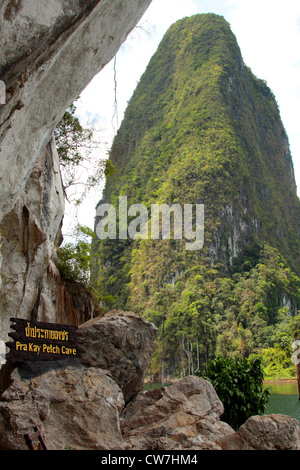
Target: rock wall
[
  {"x": 51, "y": 49},
  {"x": 30, "y": 232},
  {"x": 123, "y": 343}
]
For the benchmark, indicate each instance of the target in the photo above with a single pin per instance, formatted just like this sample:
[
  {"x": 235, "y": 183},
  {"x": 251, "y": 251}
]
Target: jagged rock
[
  {"x": 122, "y": 343},
  {"x": 30, "y": 233},
  {"x": 79, "y": 405},
  {"x": 182, "y": 416},
  {"x": 74, "y": 407},
  {"x": 268, "y": 432},
  {"x": 50, "y": 52},
  {"x": 83, "y": 408}
]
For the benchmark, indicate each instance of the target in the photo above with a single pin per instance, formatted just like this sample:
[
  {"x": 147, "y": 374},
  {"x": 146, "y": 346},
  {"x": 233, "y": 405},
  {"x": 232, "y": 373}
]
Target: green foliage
[
  {"x": 277, "y": 358},
  {"x": 216, "y": 314},
  {"x": 81, "y": 169},
  {"x": 201, "y": 128},
  {"x": 110, "y": 170},
  {"x": 277, "y": 363},
  {"x": 239, "y": 385},
  {"x": 70, "y": 137}
]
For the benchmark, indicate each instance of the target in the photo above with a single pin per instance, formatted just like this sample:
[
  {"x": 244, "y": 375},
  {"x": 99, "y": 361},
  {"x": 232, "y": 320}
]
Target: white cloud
[{"x": 163, "y": 13}]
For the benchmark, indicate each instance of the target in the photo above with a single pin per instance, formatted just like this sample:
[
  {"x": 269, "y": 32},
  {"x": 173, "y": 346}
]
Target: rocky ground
[{"x": 102, "y": 406}]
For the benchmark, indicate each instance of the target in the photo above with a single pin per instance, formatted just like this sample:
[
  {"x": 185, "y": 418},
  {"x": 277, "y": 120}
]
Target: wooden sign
[{"x": 37, "y": 341}]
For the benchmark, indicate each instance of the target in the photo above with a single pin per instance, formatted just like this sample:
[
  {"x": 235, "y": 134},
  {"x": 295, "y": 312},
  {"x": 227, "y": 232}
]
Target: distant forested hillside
[{"x": 200, "y": 128}]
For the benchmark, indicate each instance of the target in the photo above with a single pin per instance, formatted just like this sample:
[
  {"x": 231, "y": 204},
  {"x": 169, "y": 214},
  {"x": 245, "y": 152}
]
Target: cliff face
[
  {"x": 50, "y": 52},
  {"x": 200, "y": 129}
]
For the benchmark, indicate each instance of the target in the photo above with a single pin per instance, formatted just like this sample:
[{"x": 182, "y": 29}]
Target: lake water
[{"x": 284, "y": 399}]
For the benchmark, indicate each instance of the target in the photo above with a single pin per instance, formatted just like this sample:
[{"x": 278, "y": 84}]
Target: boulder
[
  {"x": 83, "y": 408},
  {"x": 185, "y": 415},
  {"x": 97, "y": 404},
  {"x": 268, "y": 432},
  {"x": 122, "y": 343},
  {"x": 74, "y": 407},
  {"x": 78, "y": 404}
]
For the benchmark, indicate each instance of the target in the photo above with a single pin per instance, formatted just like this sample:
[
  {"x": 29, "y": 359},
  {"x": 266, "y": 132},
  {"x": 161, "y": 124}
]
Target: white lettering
[
  {"x": 166, "y": 211},
  {"x": 141, "y": 221},
  {"x": 109, "y": 220},
  {"x": 188, "y": 226},
  {"x": 295, "y": 357},
  {"x": 2, "y": 92}
]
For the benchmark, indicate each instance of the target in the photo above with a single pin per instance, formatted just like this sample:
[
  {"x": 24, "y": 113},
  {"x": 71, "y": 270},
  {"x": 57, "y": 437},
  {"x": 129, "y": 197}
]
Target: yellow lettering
[
  {"x": 50, "y": 349},
  {"x": 70, "y": 351},
  {"x": 27, "y": 329},
  {"x": 21, "y": 346}
]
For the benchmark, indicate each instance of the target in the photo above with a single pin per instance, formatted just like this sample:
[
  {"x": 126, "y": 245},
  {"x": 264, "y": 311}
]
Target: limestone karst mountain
[
  {"x": 200, "y": 128},
  {"x": 50, "y": 51}
]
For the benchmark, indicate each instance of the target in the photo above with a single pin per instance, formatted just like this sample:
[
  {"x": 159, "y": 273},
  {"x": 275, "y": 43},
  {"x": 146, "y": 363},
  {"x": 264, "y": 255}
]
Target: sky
[{"x": 268, "y": 33}]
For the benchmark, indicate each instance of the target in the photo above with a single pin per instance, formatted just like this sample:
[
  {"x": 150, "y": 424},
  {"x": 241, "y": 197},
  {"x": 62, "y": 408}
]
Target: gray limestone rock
[
  {"x": 268, "y": 432},
  {"x": 122, "y": 343},
  {"x": 185, "y": 415},
  {"x": 75, "y": 407}
]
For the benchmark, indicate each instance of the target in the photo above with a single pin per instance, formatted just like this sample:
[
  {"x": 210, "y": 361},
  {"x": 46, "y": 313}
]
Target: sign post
[{"x": 37, "y": 341}]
